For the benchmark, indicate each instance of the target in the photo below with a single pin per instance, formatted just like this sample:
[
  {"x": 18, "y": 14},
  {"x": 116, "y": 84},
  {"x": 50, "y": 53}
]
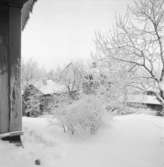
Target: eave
[
  {"x": 26, "y": 7},
  {"x": 26, "y": 10}
]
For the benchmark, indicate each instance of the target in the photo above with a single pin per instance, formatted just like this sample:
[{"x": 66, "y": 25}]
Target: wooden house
[
  {"x": 144, "y": 101},
  {"x": 13, "y": 17}
]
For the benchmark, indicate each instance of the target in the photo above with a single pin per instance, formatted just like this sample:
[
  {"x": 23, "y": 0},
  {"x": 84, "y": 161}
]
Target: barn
[{"x": 13, "y": 18}]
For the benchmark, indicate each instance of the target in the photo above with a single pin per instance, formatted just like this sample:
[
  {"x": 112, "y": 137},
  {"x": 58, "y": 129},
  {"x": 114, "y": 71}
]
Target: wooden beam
[
  {"x": 11, "y": 134},
  {"x": 10, "y": 66},
  {"x": 10, "y": 53},
  {"x": 4, "y": 87},
  {"x": 14, "y": 66}
]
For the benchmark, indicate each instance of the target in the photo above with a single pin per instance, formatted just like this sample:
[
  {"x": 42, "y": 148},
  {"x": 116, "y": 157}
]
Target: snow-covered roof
[
  {"x": 50, "y": 87},
  {"x": 146, "y": 99},
  {"x": 27, "y": 8}
]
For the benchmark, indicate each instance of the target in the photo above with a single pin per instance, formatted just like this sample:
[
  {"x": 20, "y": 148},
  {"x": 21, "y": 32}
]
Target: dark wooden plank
[
  {"x": 10, "y": 134},
  {"x": 4, "y": 101},
  {"x": 14, "y": 69}
]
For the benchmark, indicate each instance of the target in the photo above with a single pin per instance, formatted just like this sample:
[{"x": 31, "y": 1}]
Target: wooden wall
[
  {"x": 4, "y": 72},
  {"x": 10, "y": 53}
]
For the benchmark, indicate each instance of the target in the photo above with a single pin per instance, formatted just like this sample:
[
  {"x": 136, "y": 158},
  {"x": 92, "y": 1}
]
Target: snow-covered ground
[{"x": 126, "y": 141}]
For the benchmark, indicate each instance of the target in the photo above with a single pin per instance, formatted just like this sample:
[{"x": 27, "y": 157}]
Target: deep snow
[{"x": 126, "y": 141}]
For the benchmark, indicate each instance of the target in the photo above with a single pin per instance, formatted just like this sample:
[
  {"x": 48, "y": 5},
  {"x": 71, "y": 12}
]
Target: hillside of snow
[{"x": 126, "y": 141}]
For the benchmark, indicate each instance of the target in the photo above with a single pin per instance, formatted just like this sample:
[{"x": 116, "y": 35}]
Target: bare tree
[
  {"x": 137, "y": 41},
  {"x": 31, "y": 73},
  {"x": 72, "y": 77},
  {"x": 114, "y": 81}
]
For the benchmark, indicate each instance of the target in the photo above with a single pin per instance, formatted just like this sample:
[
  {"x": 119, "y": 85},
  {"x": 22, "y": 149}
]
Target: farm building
[
  {"x": 13, "y": 17},
  {"x": 35, "y": 102},
  {"x": 143, "y": 100}
]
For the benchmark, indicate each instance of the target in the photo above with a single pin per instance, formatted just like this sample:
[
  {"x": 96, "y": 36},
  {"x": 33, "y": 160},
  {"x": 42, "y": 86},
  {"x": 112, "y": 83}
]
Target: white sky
[{"x": 60, "y": 31}]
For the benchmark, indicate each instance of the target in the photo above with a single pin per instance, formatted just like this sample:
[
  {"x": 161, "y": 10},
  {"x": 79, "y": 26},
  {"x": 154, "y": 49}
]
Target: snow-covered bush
[
  {"x": 90, "y": 86},
  {"x": 31, "y": 101},
  {"x": 83, "y": 116}
]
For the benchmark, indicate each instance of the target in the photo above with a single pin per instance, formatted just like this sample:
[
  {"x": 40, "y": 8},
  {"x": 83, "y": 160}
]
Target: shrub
[
  {"x": 31, "y": 101},
  {"x": 83, "y": 116}
]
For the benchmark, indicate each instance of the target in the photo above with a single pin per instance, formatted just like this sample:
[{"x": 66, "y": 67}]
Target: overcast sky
[{"x": 60, "y": 31}]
